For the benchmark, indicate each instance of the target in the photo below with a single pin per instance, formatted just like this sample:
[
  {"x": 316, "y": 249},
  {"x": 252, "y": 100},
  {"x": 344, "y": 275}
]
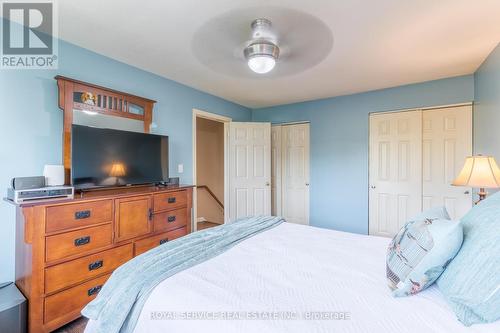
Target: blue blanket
[{"x": 119, "y": 303}]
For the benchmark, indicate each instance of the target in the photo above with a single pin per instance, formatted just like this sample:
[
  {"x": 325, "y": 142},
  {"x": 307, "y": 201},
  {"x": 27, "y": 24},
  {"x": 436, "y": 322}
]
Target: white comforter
[{"x": 298, "y": 272}]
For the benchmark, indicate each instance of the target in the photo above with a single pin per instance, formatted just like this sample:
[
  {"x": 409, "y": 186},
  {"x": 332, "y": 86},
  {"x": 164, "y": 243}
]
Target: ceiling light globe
[{"x": 261, "y": 64}]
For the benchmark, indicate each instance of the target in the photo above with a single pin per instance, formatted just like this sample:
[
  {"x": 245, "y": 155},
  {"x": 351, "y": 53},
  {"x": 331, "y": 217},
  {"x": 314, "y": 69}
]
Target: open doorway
[{"x": 210, "y": 169}]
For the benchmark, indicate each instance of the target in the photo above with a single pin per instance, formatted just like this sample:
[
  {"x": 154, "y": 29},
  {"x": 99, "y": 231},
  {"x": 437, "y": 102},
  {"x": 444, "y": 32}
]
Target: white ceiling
[{"x": 376, "y": 44}]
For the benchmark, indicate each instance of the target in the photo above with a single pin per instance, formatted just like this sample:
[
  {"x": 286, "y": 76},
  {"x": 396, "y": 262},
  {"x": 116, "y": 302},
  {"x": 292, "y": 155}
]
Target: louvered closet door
[
  {"x": 395, "y": 192},
  {"x": 249, "y": 169},
  {"x": 447, "y": 141}
]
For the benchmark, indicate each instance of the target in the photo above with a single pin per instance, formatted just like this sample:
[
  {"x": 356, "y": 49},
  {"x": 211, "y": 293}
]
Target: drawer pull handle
[
  {"x": 171, "y": 219},
  {"x": 150, "y": 214},
  {"x": 94, "y": 290},
  {"x": 171, "y": 200},
  {"x": 163, "y": 241},
  {"x": 84, "y": 214},
  {"x": 95, "y": 265},
  {"x": 82, "y": 241}
]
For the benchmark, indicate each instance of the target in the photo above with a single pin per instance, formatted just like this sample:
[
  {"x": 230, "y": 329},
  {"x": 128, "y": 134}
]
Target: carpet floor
[{"x": 76, "y": 326}]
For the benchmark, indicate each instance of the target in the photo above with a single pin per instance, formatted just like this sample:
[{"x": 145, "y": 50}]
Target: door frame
[{"x": 225, "y": 120}]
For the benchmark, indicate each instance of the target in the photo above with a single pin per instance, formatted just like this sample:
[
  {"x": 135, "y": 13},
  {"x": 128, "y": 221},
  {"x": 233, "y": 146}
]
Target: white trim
[
  {"x": 210, "y": 116},
  {"x": 423, "y": 108},
  {"x": 226, "y": 120},
  {"x": 291, "y": 123},
  {"x": 226, "y": 172}
]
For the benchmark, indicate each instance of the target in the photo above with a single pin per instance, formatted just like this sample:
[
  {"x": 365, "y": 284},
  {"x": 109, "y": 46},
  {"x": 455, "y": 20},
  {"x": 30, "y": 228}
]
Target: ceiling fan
[
  {"x": 263, "y": 51},
  {"x": 271, "y": 40}
]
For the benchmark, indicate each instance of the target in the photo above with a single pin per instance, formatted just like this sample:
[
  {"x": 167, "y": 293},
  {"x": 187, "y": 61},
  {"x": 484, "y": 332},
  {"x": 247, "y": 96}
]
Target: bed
[{"x": 295, "y": 278}]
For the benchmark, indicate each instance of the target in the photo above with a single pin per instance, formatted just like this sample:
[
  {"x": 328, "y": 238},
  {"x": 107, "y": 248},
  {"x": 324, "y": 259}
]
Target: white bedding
[{"x": 295, "y": 270}]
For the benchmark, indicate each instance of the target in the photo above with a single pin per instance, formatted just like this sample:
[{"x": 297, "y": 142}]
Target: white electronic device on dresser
[{"x": 54, "y": 175}]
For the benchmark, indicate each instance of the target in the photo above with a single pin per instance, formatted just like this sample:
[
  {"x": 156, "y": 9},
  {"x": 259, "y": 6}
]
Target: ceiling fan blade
[{"x": 304, "y": 41}]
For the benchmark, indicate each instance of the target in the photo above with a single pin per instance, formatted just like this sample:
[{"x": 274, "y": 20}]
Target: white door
[
  {"x": 395, "y": 170},
  {"x": 447, "y": 141},
  {"x": 276, "y": 170},
  {"x": 295, "y": 173},
  {"x": 249, "y": 169}
]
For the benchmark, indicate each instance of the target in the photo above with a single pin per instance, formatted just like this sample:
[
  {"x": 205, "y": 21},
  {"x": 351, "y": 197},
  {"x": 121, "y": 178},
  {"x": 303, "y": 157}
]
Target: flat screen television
[{"x": 108, "y": 158}]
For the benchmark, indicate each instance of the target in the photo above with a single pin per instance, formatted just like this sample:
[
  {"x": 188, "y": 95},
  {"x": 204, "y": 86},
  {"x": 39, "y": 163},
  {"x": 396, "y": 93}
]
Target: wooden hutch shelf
[{"x": 84, "y": 96}]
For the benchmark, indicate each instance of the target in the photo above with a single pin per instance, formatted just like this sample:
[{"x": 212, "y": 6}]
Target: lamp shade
[
  {"x": 117, "y": 170},
  {"x": 479, "y": 171},
  {"x": 261, "y": 64}
]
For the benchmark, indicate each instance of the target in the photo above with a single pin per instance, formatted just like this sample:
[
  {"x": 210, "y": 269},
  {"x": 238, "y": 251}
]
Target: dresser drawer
[
  {"x": 147, "y": 244},
  {"x": 73, "y": 300},
  {"x": 78, "y": 270},
  {"x": 77, "y": 242},
  {"x": 170, "y": 220},
  {"x": 78, "y": 215},
  {"x": 170, "y": 200}
]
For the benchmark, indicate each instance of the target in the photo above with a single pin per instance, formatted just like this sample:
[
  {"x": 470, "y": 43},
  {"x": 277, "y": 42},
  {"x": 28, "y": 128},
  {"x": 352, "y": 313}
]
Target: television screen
[{"x": 108, "y": 157}]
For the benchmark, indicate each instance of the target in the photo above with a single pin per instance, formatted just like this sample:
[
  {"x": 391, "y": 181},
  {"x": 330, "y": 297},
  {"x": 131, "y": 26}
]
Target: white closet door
[
  {"x": 295, "y": 161},
  {"x": 276, "y": 170},
  {"x": 447, "y": 141},
  {"x": 249, "y": 169},
  {"x": 395, "y": 170}
]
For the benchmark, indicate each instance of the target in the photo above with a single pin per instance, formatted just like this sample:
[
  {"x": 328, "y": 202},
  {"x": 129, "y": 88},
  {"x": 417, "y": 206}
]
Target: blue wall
[
  {"x": 339, "y": 143},
  {"x": 487, "y": 106},
  {"x": 31, "y": 128},
  {"x": 31, "y": 122}
]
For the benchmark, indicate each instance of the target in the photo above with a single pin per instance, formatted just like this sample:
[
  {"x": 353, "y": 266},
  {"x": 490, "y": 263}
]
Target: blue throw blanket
[{"x": 119, "y": 303}]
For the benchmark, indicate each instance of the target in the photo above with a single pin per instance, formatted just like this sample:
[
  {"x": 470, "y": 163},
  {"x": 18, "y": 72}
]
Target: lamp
[
  {"x": 117, "y": 170},
  {"x": 479, "y": 171}
]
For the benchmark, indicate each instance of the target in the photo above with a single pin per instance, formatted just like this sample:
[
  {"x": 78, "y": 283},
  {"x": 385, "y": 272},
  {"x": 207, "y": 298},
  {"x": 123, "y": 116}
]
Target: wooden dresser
[{"x": 67, "y": 249}]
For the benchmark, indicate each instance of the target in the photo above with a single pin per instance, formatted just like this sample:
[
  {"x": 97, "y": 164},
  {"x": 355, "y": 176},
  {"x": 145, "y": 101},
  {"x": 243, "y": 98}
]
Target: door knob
[
  {"x": 466, "y": 192},
  {"x": 307, "y": 184},
  {"x": 373, "y": 187},
  {"x": 267, "y": 184}
]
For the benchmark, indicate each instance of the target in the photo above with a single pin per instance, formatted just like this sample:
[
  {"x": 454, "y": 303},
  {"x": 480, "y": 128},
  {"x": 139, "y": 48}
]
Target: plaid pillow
[{"x": 421, "y": 250}]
